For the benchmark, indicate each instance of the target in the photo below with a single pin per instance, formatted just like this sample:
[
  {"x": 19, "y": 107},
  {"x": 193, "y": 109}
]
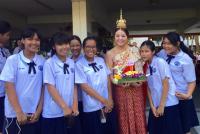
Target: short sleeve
[
  {"x": 189, "y": 71},
  {"x": 161, "y": 54},
  {"x": 107, "y": 70},
  {"x": 80, "y": 76},
  {"x": 163, "y": 68},
  {"x": 48, "y": 75},
  {"x": 8, "y": 73}
]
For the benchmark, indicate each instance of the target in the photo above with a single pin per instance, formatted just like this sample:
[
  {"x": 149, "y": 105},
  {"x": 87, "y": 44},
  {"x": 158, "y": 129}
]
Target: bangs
[{"x": 29, "y": 33}]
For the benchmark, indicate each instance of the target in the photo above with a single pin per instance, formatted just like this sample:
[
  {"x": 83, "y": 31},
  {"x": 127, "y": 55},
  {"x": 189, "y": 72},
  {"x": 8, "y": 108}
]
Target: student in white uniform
[
  {"x": 179, "y": 58},
  {"x": 19, "y": 46},
  {"x": 22, "y": 75},
  {"x": 76, "y": 47},
  {"x": 164, "y": 115},
  {"x": 60, "y": 107},
  {"x": 5, "y": 29},
  {"x": 93, "y": 76}
]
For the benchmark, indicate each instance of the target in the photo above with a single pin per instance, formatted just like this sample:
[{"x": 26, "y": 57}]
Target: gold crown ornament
[{"x": 121, "y": 23}]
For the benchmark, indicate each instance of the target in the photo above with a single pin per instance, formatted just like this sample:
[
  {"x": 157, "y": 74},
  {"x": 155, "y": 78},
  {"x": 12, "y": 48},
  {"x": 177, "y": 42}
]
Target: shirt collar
[
  {"x": 79, "y": 57},
  {"x": 23, "y": 58},
  {"x": 153, "y": 60},
  {"x": 58, "y": 61},
  {"x": 89, "y": 61},
  {"x": 1, "y": 48},
  {"x": 179, "y": 54}
]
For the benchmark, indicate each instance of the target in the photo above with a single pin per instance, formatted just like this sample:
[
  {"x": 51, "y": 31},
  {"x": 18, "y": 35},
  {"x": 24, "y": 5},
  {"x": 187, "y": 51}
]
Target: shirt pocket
[
  {"x": 22, "y": 70},
  {"x": 175, "y": 68},
  {"x": 59, "y": 75},
  {"x": 88, "y": 71},
  {"x": 62, "y": 83}
]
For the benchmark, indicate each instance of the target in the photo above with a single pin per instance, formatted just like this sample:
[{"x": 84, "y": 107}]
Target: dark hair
[
  {"x": 29, "y": 33},
  {"x": 149, "y": 44},
  {"x": 4, "y": 27},
  {"x": 123, "y": 29},
  {"x": 58, "y": 39},
  {"x": 75, "y": 37},
  {"x": 174, "y": 38},
  {"x": 89, "y": 38}
]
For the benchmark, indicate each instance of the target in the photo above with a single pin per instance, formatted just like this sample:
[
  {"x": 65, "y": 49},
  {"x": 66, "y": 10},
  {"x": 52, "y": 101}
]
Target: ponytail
[
  {"x": 174, "y": 38},
  {"x": 187, "y": 50}
]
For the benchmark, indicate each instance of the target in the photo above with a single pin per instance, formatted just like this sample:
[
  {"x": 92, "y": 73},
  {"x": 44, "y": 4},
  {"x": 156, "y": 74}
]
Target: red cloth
[{"x": 130, "y": 107}]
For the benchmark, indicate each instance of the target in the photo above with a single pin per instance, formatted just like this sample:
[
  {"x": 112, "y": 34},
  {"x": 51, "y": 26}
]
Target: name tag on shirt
[{"x": 88, "y": 69}]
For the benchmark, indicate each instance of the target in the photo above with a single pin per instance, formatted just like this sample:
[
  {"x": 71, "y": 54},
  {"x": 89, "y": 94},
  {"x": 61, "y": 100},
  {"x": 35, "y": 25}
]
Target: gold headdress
[{"x": 121, "y": 23}]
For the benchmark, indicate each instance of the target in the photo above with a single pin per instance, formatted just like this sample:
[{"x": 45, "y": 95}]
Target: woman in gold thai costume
[{"x": 129, "y": 99}]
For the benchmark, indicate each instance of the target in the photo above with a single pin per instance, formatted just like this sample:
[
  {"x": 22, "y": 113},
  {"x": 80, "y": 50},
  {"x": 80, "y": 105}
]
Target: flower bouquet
[{"x": 128, "y": 74}]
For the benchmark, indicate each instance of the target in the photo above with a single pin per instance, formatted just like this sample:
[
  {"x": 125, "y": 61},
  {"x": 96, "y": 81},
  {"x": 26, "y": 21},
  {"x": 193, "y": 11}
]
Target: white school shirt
[
  {"x": 182, "y": 69},
  {"x": 64, "y": 84},
  {"x": 161, "y": 53},
  {"x": 17, "y": 50},
  {"x": 78, "y": 86},
  {"x": 27, "y": 86},
  {"x": 96, "y": 80},
  {"x": 160, "y": 70},
  {"x": 4, "y": 54}
]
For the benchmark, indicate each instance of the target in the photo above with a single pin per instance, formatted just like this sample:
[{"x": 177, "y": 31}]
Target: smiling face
[
  {"x": 121, "y": 38},
  {"x": 169, "y": 47},
  {"x": 75, "y": 47},
  {"x": 146, "y": 53},
  {"x": 90, "y": 49},
  {"x": 31, "y": 44},
  {"x": 62, "y": 49}
]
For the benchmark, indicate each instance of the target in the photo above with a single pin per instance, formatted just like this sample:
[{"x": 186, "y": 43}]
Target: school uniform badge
[
  {"x": 100, "y": 66},
  {"x": 40, "y": 67},
  {"x": 177, "y": 63}
]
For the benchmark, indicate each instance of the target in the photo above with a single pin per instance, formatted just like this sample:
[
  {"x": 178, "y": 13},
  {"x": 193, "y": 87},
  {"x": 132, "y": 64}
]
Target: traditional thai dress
[{"x": 130, "y": 102}]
